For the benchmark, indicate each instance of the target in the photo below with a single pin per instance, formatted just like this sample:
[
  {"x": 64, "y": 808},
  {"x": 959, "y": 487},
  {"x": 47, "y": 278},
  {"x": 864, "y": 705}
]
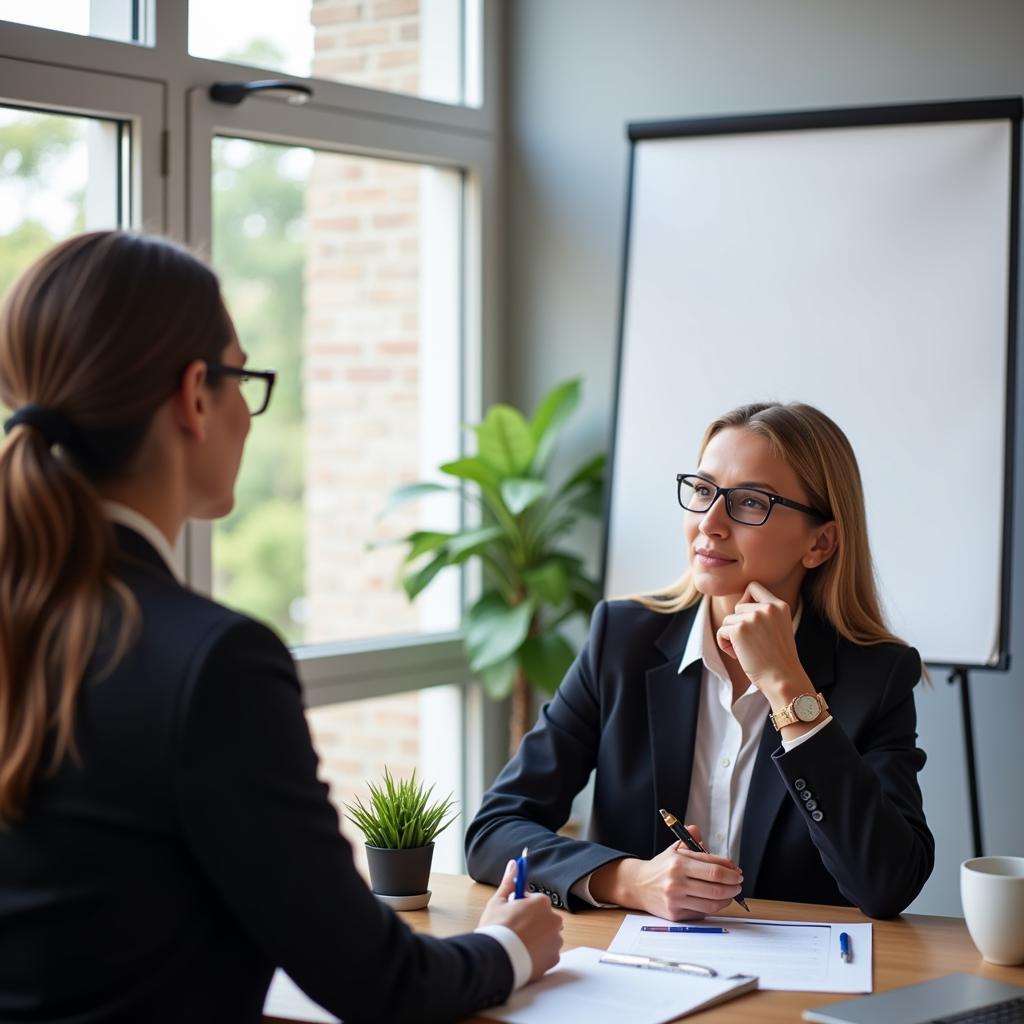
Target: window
[
  {"x": 343, "y": 275},
  {"x": 406, "y": 732},
  {"x": 110, "y": 19},
  {"x": 59, "y": 174},
  {"x": 426, "y": 48},
  {"x": 356, "y": 241}
]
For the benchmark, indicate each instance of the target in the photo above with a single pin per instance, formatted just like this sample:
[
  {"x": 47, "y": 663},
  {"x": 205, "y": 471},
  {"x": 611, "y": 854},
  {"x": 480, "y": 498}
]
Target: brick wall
[{"x": 368, "y": 42}]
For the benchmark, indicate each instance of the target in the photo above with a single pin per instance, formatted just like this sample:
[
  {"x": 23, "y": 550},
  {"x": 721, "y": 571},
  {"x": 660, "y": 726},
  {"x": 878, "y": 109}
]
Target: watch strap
[{"x": 787, "y": 715}]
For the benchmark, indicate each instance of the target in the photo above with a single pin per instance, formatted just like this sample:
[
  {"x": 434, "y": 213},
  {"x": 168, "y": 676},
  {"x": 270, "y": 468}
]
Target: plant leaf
[
  {"x": 545, "y": 659},
  {"x": 471, "y": 541},
  {"x": 591, "y": 470},
  {"x": 499, "y": 678},
  {"x": 494, "y": 630},
  {"x": 504, "y": 441},
  {"x": 401, "y": 815},
  {"x": 589, "y": 503},
  {"x": 519, "y": 493},
  {"x": 584, "y": 595},
  {"x": 475, "y": 469},
  {"x": 414, "y": 582},
  {"x": 552, "y": 412},
  {"x": 423, "y": 541},
  {"x": 547, "y": 583},
  {"x": 410, "y": 492}
]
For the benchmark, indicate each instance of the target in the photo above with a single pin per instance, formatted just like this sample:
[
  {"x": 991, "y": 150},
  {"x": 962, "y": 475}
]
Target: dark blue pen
[
  {"x": 703, "y": 929},
  {"x": 521, "y": 874},
  {"x": 845, "y": 953}
]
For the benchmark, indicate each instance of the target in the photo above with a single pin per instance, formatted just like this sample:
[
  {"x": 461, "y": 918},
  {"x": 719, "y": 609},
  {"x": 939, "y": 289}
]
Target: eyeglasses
[
  {"x": 255, "y": 385},
  {"x": 747, "y": 505}
]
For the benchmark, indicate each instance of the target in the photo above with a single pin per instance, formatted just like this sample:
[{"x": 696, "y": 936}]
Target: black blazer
[
  {"x": 624, "y": 710},
  {"x": 191, "y": 850}
]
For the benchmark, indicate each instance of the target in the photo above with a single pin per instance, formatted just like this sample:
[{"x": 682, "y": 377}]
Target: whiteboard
[{"x": 864, "y": 268}]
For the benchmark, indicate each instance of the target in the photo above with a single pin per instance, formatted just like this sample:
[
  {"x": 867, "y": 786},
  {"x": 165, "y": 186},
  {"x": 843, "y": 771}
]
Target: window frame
[{"x": 58, "y": 90}]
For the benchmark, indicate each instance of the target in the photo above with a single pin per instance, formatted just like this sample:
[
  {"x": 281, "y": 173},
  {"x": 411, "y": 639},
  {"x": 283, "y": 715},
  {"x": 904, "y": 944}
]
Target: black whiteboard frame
[{"x": 991, "y": 109}]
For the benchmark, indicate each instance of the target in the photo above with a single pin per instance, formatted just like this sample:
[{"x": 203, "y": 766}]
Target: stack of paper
[{"x": 583, "y": 989}]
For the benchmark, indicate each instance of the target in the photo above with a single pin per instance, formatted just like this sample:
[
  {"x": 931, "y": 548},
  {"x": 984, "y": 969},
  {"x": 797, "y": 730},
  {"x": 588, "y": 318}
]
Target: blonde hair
[{"x": 842, "y": 590}]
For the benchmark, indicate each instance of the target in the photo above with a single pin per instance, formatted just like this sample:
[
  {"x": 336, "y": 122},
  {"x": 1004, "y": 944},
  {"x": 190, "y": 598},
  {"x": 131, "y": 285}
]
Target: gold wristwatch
[{"x": 805, "y": 708}]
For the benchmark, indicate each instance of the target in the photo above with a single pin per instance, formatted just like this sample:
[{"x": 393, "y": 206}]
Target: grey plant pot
[{"x": 399, "y": 872}]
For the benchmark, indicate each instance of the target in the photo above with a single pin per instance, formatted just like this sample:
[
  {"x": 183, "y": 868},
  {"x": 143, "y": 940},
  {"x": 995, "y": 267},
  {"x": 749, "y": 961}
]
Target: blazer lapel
[
  {"x": 815, "y": 644},
  {"x": 673, "y": 700}
]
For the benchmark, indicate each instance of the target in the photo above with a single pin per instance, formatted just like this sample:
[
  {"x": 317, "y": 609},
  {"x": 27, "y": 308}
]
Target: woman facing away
[
  {"x": 164, "y": 840},
  {"x": 761, "y": 699}
]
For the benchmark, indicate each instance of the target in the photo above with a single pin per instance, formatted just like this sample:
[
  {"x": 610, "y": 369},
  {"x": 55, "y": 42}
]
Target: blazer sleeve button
[
  {"x": 817, "y": 816},
  {"x": 811, "y": 805},
  {"x": 800, "y": 784},
  {"x": 805, "y": 795}
]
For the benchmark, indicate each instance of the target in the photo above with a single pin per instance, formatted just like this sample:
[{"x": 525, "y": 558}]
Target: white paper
[
  {"x": 791, "y": 956},
  {"x": 285, "y": 999},
  {"x": 580, "y": 989}
]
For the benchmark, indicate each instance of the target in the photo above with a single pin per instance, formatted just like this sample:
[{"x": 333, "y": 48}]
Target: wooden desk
[{"x": 909, "y": 949}]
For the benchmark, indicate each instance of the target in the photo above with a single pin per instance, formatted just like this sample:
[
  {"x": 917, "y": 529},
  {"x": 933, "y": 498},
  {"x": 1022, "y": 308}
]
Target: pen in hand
[
  {"x": 520, "y": 892},
  {"x": 680, "y": 832}
]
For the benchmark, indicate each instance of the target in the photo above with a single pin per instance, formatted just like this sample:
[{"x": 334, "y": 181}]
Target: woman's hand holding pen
[
  {"x": 531, "y": 918},
  {"x": 677, "y": 884},
  {"x": 759, "y": 635}
]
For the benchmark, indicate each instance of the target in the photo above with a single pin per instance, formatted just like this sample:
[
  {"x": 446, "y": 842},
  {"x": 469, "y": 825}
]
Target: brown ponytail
[{"x": 94, "y": 337}]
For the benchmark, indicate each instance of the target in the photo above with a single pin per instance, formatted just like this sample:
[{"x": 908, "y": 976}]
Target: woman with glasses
[
  {"x": 164, "y": 840},
  {"x": 761, "y": 699}
]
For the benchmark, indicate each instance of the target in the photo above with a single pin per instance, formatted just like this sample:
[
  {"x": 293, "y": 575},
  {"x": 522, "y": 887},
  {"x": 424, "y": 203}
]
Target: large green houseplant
[{"x": 532, "y": 584}]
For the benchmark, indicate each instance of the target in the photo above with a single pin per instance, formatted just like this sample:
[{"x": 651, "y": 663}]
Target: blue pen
[
  {"x": 521, "y": 874},
  {"x": 701, "y": 929},
  {"x": 845, "y": 953}
]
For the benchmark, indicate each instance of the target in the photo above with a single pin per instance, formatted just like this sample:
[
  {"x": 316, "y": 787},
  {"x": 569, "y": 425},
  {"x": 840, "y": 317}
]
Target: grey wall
[{"x": 576, "y": 72}]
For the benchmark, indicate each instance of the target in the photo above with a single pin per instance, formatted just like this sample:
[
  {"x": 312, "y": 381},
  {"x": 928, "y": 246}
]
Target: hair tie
[{"x": 55, "y": 427}]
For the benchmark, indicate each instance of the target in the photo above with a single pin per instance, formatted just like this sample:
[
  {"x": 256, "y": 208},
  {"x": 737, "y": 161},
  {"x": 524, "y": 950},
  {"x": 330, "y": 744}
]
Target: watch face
[{"x": 806, "y": 708}]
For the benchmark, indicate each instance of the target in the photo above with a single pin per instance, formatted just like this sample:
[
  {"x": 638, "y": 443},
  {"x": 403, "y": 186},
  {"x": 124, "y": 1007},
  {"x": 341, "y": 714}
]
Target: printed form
[{"x": 791, "y": 956}]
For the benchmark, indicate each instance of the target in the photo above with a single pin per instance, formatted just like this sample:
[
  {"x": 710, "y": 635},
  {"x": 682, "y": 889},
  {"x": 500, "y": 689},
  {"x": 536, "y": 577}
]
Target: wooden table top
[{"x": 908, "y": 949}]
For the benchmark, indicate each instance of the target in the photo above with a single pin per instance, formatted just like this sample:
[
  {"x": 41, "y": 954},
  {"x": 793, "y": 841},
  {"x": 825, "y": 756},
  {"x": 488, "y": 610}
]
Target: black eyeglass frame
[
  {"x": 726, "y": 492},
  {"x": 243, "y": 372}
]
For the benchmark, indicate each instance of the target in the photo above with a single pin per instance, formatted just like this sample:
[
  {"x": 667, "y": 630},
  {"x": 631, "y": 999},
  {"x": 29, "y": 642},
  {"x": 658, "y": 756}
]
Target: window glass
[
  {"x": 342, "y": 273},
  {"x": 418, "y": 47},
  {"x": 58, "y": 175},
  {"x": 419, "y": 731},
  {"x": 109, "y": 19}
]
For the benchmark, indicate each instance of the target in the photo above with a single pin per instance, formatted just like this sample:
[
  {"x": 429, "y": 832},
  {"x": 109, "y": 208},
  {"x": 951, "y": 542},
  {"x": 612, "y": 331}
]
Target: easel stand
[{"x": 960, "y": 674}]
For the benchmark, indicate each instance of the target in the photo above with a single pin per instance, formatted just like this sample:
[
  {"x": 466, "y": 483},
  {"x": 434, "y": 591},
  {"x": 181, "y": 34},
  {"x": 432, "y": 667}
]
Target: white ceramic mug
[{"x": 992, "y": 895}]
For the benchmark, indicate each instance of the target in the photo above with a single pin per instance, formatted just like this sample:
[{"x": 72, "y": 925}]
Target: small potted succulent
[{"x": 400, "y": 825}]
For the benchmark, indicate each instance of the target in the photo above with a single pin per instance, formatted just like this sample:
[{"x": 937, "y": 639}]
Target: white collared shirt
[
  {"x": 145, "y": 528},
  {"x": 725, "y": 748},
  {"x": 515, "y": 949},
  {"x": 728, "y": 735}
]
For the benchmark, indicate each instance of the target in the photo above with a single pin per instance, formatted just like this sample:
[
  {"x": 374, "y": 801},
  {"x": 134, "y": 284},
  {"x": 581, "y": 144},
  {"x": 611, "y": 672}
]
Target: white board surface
[{"x": 865, "y": 271}]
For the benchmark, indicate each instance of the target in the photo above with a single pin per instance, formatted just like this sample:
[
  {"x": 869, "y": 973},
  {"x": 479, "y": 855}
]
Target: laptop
[{"x": 956, "y": 997}]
